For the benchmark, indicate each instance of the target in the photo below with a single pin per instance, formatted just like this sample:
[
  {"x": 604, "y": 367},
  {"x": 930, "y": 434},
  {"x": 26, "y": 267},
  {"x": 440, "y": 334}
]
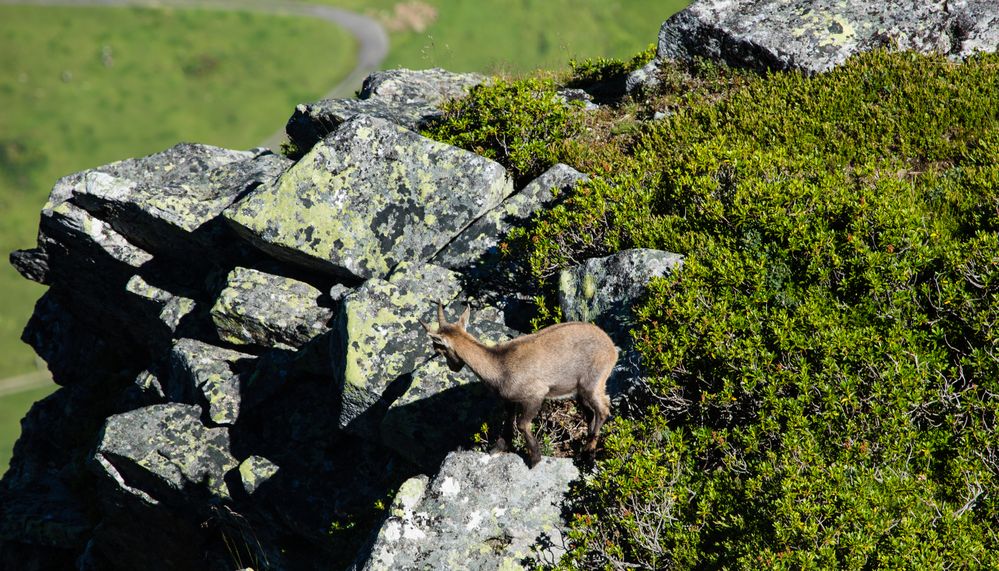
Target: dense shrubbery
[
  {"x": 825, "y": 368},
  {"x": 520, "y": 124}
]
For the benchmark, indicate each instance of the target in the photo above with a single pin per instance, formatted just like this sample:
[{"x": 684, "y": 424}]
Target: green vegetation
[
  {"x": 94, "y": 85},
  {"x": 12, "y": 408},
  {"x": 520, "y": 124},
  {"x": 823, "y": 370}
]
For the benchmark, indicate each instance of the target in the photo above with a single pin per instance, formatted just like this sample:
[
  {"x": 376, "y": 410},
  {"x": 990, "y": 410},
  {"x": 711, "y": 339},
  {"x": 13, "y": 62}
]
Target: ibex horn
[{"x": 440, "y": 314}]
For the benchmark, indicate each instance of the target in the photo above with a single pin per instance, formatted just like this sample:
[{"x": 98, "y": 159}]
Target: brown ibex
[{"x": 560, "y": 361}]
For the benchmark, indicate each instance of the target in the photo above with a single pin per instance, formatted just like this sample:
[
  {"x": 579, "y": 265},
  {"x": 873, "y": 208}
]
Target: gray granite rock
[
  {"x": 208, "y": 376},
  {"x": 478, "y": 244},
  {"x": 816, "y": 35},
  {"x": 162, "y": 453},
  {"x": 257, "y": 308},
  {"x": 166, "y": 202},
  {"x": 409, "y": 98},
  {"x": 254, "y": 471},
  {"x": 369, "y": 196},
  {"x": 480, "y": 512},
  {"x": 603, "y": 290}
]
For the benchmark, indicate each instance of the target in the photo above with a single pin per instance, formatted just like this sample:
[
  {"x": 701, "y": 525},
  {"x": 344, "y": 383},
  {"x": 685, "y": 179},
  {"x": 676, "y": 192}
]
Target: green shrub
[
  {"x": 521, "y": 124},
  {"x": 824, "y": 369},
  {"x": 599, "y": 70}
]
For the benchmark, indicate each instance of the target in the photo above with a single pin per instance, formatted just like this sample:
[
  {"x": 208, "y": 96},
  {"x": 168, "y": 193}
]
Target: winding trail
[{"x": 372, "y": 47}]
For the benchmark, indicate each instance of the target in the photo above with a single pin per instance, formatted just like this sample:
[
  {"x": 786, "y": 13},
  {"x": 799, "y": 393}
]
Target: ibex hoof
[
  {"x": 533, "y": 461},
  {"x": 500, "y": 446}
]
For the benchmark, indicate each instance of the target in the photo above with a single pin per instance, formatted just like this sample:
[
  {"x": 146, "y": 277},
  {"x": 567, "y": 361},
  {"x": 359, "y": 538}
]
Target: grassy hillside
[
  {"x": 824, "y": 370},
  {"x": 84, "y": 87}
]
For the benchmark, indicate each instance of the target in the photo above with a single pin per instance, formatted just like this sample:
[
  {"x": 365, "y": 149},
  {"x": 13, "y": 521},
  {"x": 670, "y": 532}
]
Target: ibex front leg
[
  {"x": 505, "y": 440},
  {"x": 529, "y": 410}
]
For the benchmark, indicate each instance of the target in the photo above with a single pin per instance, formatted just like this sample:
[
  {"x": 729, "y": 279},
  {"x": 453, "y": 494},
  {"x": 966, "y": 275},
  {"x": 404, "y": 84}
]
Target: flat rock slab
[
  {"x": 478, "y": 244},
  {"x": 257, "y": 308},
  {"x": 816, "y": 35},
  {"x": 367, "y": 197},
  {"x": 163, "y": 202},
  {"x": 480, "y": 512},
  {"x": 408, "y": 98},
  {"x": 603, "y": 290},
  {"x": 162, "y": 453}
]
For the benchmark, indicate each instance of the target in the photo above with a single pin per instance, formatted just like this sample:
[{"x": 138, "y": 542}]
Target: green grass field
[
  {"x": 12, "y": 408},
  {"x": 85, "y": 86}
]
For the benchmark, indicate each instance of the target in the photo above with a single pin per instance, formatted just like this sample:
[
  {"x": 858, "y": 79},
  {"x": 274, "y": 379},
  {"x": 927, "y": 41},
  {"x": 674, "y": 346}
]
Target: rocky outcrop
[
  {"x": 408, "y": 98},
  {"x": 369, "y": 196},
  {"x": 815, "y": 35},
  {"x": 239, "y": 341},
  {"x": 478, "y": 512}
]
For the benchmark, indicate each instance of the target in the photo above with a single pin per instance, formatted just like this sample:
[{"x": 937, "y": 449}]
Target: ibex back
[{"x": 564, "y": 360}]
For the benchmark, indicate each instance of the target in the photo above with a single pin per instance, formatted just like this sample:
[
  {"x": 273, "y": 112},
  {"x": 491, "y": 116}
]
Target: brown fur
[{"x": 561, "y": 361}]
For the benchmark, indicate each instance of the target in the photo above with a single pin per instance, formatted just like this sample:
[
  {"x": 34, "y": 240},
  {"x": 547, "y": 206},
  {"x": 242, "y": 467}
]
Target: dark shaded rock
[
  {"x": 257, "y": 308},
  {"x": 208, "y": 376},
  {"x": 408, "y": 98},
  {"x": 369, "y": 196},
  {"x": 32, "y": 264},
  {"x": 478, "y": 512},
  {"x": 815, "y": 35}
]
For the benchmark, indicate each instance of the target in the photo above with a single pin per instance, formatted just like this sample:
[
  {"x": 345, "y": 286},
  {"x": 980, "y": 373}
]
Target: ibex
[{"x": 560, "y": 361}]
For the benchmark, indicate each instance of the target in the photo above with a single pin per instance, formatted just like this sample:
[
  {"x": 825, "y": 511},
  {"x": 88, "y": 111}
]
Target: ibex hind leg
[{"x": 599, "y": 403}]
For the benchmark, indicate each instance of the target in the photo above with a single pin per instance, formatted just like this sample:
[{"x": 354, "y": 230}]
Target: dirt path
[
  {"x": 372, "y": 47},
  {"x": 26, "y": 382},
  {"x": 372, "y": 41}
]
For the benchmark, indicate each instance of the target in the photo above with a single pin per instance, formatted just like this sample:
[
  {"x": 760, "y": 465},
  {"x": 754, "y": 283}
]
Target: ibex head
[{"x": 445, "y": 334}]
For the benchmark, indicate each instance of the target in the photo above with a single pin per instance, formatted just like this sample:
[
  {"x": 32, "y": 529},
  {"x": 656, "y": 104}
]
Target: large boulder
[
  {"x": 367, "y": 197},
  {"x": 815, "y": 35},
  {"x": 479, "y": 512},
  {"x": 603, "y": 290},
  {"x": 166, "y": 202},
  {"x": 408, "y": 98},
  {"x": 262, "y": 309}
]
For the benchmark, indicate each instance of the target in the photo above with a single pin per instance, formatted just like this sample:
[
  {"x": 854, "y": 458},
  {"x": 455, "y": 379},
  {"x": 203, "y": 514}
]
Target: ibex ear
[
  {"x": 463, "y": 320},
  {"x": 425, "y": 326}
]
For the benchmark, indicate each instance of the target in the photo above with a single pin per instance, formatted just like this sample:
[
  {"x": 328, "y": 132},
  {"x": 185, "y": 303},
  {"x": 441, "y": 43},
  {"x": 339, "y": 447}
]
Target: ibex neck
[{"x": 479, "y": 358}]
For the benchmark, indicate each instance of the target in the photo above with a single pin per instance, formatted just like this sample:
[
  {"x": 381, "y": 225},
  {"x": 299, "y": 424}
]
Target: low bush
[{"x": 824, "y": 370}]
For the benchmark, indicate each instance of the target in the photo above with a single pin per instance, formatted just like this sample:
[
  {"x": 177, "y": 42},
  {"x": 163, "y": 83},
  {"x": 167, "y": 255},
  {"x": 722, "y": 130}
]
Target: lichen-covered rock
[
  {"x": 165, "y": 202},
  {"x": 412, "y": 425},
  {"x": 162, "y": 453},
  {"x": 378, "y": 337},
  {"x": 815, "y": 35},
  {"x": 409, "y": 98},
  {"x": 478, "y": 244},
  {"x": 208, "y": 376},
  {"x": 161, "y": 471},
  {"x": 603, "y": 290},
  {"x": 367, "y": 197},
  {"x": 161, "y": 308},
  {"x": 479, "y": 512},
  {"x": 254, "y": 471},
  {"x": 257, "y": 308}
]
